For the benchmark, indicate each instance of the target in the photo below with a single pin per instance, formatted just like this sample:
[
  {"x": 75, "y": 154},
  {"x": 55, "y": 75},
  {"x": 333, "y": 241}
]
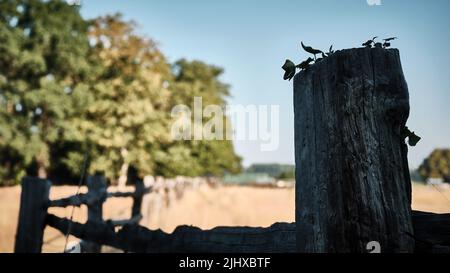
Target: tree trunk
[
  {"x": 352, "y": 175},
  {"x": 41, "y": 166},
  {"x": 122, "y": 182},
  {"x": 42, "y": 172}
]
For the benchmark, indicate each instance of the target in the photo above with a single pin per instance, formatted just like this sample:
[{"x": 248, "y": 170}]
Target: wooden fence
[
  {"x": 34, "y": 203},
  {"x": 431, "y": 231}
]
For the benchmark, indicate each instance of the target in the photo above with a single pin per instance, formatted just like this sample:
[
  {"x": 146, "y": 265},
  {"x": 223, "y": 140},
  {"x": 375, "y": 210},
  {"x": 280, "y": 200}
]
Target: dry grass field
[{"x": 206, "y": 208}]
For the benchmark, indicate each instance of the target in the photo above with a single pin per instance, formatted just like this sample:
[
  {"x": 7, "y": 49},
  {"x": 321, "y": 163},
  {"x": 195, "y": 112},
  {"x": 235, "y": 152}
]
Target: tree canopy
[
  {"x": 70, "y": 87},
  {"x": 436, "y": 165},
  {"x": 43, "y": 70}
]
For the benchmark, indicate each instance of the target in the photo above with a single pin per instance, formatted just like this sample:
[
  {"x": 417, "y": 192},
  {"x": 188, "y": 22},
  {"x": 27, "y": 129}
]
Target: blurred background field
[{"x": 206, "y": 207}]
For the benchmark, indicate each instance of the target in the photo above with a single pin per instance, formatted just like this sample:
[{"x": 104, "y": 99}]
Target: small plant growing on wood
[
  {"x": 321, "y": 58},
  {"x": 305, "y": 64},
  {"x": 369, "y": 43},
  {"x": 330, "y": 51},
  {"x": 378, "y": 45},
  {"x": 387, "y": 43},
  {"x": 311, "y": 50},
  {"x": 290, "y": 68},
  {"x": 413, "y": 139}
]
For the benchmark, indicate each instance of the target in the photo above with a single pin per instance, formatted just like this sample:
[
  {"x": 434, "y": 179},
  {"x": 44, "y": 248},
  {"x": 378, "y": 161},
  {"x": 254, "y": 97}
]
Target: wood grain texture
[
  {"x": 97, "y": 187},
  {"x": 352, "y": 175},
  {"x": 32, "y": 215}
]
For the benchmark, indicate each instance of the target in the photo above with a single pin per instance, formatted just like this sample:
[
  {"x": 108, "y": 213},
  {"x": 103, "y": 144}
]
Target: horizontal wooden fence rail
[
  {"x": 87, "y": 199},
  {"x": 431, "y": 236},
  {"x": 74, "y": 200},
  {"x": 279, "y": 238}
]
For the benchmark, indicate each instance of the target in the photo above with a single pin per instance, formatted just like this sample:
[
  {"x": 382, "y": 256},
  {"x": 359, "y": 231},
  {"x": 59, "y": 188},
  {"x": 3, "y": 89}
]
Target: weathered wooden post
[
  {"x": 138, "y": 194},
  {"x": 97, "y": 194},
  {"x": 33, "y": 211},
  {"x": 352, "y": 176}
]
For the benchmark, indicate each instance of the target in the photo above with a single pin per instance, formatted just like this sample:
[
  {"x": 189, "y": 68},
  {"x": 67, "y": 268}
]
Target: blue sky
[{"x": 251, "y": 39}]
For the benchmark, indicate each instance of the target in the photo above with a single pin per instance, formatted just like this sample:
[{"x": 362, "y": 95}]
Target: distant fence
[{"x": 34, "y": 203}]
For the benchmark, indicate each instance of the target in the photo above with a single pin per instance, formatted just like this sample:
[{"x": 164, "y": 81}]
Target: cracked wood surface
[{"x": 352, "y": 175}]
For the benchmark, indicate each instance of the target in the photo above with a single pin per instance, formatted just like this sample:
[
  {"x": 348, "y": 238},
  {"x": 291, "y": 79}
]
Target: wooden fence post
[
  {"x": 352, "y": 176},
  {"x": 97, "y": 190},
  {"x": 33, "y": 211},
  {"x": 138, "y": 194}
]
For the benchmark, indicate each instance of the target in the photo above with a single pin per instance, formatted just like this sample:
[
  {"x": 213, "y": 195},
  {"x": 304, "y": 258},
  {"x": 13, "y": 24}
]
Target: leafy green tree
[
  {"x": 129, "y": 117},
  {"x": 198, "y": 79},
  {"x": 436, "y": 165},
  {"x": 70, "y": 86},
  {"x": 207, "y": 157},
  {"x": 42, "y": 72},
  {"x": 129, "y": 121}
]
